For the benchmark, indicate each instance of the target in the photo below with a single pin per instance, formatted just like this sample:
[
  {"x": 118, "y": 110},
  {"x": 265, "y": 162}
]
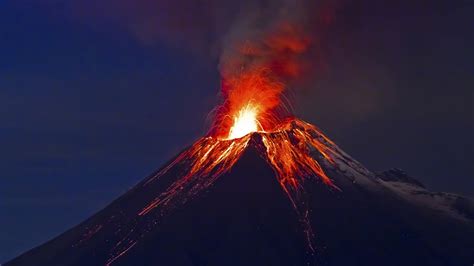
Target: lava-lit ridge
[{"x": 289, "y": 149}]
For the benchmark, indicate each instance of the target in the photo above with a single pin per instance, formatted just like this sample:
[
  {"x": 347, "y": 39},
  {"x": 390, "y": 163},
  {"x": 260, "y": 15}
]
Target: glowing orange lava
[
  {"x": 245, "y": 122},
  {"x": 206, "y": 160},
  {"x": 252, "y": 104}
]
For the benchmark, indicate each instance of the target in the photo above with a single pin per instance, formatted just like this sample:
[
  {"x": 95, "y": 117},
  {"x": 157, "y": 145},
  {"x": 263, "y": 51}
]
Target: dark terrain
[{"x": 245, "y": 218}]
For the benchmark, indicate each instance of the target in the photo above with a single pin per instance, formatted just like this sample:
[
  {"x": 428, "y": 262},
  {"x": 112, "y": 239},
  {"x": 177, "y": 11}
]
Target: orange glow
[{"x": 252, "y": 103}]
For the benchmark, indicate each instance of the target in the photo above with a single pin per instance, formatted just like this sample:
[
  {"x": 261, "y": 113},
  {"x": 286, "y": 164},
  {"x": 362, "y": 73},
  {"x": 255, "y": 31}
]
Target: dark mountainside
[{"x": 245, "y": 218}]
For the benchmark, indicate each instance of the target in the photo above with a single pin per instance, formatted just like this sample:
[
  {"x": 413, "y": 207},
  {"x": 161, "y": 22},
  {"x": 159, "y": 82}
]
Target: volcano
[
  {"x": 236, "y": 202},
  {"x": 265, "y": 188}
]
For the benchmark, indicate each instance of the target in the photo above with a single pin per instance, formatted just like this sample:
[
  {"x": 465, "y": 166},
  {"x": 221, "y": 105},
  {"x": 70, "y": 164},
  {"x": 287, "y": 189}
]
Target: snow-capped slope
[{"x": 414, "y": 192}]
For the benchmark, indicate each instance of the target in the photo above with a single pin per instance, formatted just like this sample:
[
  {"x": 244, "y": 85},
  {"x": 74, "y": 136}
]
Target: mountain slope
[{"x": 245, "y": 218}]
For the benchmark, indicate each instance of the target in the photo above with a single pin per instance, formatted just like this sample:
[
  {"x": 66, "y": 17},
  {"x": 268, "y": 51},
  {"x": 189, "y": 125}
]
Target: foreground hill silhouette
[{"x": 245, "y": 218}]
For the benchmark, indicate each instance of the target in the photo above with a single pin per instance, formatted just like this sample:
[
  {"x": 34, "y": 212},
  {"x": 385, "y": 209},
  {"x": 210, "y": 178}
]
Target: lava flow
[{"x": 287, "y": 149}]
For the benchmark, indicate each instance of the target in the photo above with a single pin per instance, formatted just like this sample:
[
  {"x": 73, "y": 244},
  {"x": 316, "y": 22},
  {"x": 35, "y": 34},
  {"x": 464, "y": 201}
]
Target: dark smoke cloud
[
  {"x": 275, "y": 31},
  {"x": 339, "y": 84},
  {"x": 286, "y": 35},
  {"x": 204, "y": 27}
]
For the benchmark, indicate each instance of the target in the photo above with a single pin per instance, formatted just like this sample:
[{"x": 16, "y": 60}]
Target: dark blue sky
[{"x": 87, "y": 109}]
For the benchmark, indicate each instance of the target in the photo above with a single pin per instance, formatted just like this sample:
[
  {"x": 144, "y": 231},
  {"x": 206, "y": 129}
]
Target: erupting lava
[{"x": 245, "y": 122}]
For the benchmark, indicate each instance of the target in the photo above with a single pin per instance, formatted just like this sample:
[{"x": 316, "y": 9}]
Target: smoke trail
[{"x": 265, "y": 49}]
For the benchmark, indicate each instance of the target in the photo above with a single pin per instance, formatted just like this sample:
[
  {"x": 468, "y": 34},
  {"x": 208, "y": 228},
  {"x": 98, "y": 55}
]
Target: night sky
[{"x": 90, "y": 103}]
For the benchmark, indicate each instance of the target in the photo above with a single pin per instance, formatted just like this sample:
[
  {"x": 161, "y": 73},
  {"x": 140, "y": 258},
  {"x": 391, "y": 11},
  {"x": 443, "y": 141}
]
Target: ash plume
[
  {"x": 217, "y": 28},
  {"x": 278, "y": 44}
]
